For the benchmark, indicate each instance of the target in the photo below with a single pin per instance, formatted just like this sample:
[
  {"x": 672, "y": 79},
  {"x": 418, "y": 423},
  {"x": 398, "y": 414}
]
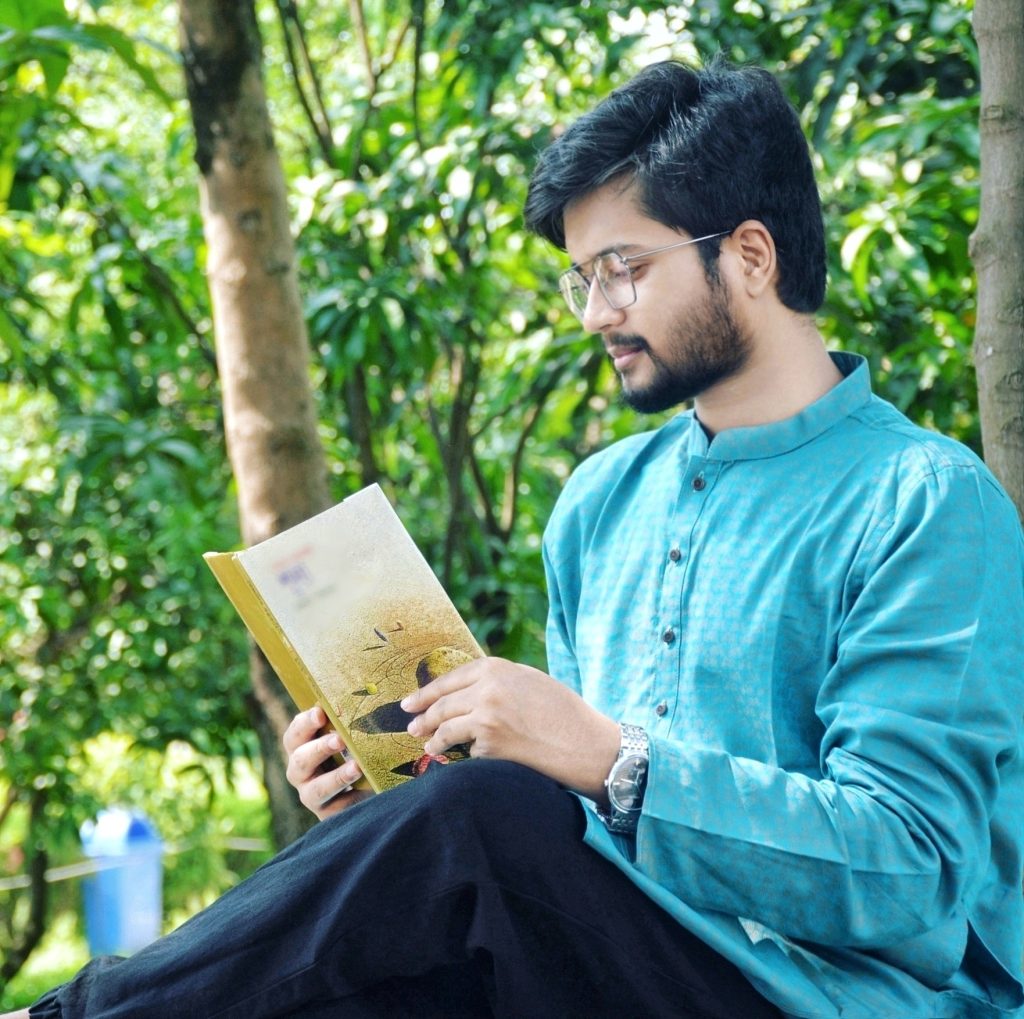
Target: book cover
[{"x": 351, "y": 617}]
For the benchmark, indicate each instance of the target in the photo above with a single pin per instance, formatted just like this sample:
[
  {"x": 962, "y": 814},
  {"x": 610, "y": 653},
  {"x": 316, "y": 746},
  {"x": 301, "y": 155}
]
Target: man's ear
[{"x": 754, "y": 247}]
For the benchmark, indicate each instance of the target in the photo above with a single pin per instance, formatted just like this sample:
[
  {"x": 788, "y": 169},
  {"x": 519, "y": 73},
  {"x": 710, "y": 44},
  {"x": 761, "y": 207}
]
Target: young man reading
[{"x": 775, "y": 765}]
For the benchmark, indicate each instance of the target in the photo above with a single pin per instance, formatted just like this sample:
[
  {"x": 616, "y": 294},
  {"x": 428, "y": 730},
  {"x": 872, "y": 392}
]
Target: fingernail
[
  {"x": 413, "y": 727},
  {"x": 351, "y": 773},
  {"x": 333, "y": 742},
  {"x": 406, "y": 703}
]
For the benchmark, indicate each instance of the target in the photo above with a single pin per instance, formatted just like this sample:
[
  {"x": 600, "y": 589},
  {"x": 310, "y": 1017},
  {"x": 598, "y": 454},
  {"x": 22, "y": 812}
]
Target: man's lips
[{"x": 623, "y": 354}]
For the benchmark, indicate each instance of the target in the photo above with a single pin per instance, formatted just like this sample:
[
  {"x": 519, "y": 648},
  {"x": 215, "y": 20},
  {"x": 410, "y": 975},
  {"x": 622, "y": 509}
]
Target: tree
[
  {"x": 262, "y": 346},
  {"x": 109, "y": 485},
  {"x": 997, "y": 246}
]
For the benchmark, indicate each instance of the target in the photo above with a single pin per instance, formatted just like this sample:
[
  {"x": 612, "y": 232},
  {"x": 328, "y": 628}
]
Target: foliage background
[{"x": 445, "y": 366}]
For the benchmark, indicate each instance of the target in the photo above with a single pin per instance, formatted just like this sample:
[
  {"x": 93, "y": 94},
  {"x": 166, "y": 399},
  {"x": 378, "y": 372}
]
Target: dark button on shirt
[
  {"x": 661, "y": 709},
  {"x": 669, "y": 635},
  {"x": 699, "y": 483},
  {"x": 675, "y": 555}
]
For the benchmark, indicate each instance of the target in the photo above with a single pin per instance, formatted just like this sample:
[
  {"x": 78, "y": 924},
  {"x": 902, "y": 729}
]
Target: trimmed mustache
[{"x": 622, "y": 342}]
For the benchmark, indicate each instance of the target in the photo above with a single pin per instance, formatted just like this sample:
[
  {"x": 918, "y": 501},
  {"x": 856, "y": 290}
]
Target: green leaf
[
  {"x": 124, "y": 47},
  {"x": 105, "y": 37},
  {"x": 26, "y": 15},
  {"x": 11, "y": 337}
]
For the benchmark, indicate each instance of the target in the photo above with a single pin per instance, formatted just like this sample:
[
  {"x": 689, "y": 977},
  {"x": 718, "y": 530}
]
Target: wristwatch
[{"x": 627, "y": 781}]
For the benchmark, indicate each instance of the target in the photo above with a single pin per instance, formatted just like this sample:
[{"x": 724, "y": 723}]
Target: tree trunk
[
  {"x": 262, "y": 345},
  {"x": 31, "y": 933},
  {"x": 997, "y": 245}
]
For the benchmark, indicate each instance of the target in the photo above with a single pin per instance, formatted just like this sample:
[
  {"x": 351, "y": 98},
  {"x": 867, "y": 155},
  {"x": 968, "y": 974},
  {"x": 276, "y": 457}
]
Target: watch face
[{"x": 626, "y": 785}]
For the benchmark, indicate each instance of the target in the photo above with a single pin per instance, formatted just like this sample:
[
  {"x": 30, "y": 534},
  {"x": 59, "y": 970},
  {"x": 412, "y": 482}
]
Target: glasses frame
[{"x": 565, "y": 278}]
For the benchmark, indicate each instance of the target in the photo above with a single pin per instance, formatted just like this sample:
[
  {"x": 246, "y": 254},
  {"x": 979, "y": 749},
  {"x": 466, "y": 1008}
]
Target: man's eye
[{"x": 616, "y": 272}]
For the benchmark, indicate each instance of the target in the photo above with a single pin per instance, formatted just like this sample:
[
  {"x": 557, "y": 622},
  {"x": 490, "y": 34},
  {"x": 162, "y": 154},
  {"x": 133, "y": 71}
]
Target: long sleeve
[{"x": 920, "y": 714}]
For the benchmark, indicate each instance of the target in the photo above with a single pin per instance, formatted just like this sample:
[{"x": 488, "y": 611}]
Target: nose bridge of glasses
[
  {"x": 578, "y": 287},
  {"x": 581, "y": 293},
  {"x": 601, "y": 301},
  {"x": 611, "y": 278}
]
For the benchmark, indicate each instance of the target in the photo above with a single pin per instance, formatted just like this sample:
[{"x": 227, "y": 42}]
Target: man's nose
[{"x": 599, "y": 314}]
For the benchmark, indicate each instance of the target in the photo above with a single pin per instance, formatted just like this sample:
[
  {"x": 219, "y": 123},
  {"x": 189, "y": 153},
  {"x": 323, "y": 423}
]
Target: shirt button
[
  {"x": 669, "y": 635},
  {"x": 699, "y": 483},
  {"x": 675, "y": 555},
  {"x": 661, "y": 709}
]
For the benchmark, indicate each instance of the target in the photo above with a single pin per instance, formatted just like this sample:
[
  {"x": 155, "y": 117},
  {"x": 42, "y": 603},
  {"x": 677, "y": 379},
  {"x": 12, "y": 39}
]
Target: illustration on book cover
[{"x": 398, "y": 661}]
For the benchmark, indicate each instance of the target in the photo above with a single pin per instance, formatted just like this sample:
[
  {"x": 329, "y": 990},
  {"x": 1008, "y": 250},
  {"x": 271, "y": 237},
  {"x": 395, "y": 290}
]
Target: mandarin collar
[{"x": 760, "y": 441}]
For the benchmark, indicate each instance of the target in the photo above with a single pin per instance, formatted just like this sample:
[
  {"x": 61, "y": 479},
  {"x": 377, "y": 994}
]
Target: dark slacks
[{"x": 467, "y": 892}]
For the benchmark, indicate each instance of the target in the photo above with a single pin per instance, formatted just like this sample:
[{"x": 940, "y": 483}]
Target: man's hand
[
  {"x": 320, "y": 780},
  {"x": 517, "y": 713}
]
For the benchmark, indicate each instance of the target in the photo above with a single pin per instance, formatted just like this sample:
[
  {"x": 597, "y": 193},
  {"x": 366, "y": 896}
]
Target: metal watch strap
[{"x": 633, "y": 741}]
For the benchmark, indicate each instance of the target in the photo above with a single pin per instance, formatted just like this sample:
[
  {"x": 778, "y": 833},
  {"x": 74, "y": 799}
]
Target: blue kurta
[{"x": 820, "y": 623}]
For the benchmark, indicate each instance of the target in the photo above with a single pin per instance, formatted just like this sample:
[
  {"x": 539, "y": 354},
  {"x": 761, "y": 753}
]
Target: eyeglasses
[{"x": 614, "y": 276}]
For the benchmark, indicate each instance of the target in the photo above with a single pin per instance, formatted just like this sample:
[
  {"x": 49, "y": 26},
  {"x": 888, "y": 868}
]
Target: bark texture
[
  {"x": 262, "y": 345},
  {"x": 31, "y": 932},
  {"x": 997, "y": 246}
]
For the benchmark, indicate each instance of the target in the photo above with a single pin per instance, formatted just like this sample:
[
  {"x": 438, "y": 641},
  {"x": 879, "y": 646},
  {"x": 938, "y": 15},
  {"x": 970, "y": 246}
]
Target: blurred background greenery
[{"x": 445, "y": 366}]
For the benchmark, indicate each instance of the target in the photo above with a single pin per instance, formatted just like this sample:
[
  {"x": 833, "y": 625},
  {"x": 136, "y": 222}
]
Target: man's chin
[
  {"x": 651, "y": 398},
  {"x": 644, "y": 390}
]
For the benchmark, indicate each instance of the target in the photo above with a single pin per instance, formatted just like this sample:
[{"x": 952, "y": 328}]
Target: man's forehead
[
  {"x": 610, "y": 201},
  {"x": 609, "y": 219}
]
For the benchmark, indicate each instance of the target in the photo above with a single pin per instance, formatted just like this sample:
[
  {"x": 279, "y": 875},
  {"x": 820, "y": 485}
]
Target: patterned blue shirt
[{"x": 820, "y": 623}]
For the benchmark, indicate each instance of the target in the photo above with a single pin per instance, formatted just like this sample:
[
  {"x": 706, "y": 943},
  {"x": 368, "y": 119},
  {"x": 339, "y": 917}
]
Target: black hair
[{"x": 706, "y": 149}]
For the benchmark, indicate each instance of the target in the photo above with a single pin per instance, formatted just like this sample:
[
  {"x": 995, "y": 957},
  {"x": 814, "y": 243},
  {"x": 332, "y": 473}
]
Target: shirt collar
[{"x": 760, "y": 441}]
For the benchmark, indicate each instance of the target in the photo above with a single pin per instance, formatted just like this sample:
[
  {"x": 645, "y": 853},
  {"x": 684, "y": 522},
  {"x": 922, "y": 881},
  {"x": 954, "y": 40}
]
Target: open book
[{"x": 352, "y": 618}]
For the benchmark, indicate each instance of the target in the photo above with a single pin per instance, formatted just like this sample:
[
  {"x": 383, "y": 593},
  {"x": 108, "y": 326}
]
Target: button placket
[{"x": 663, "y": 693}]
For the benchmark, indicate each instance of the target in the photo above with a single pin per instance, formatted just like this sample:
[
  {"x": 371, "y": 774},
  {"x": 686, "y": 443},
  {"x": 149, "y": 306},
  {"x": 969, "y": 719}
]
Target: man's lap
[{"x": 470, "y": 887}]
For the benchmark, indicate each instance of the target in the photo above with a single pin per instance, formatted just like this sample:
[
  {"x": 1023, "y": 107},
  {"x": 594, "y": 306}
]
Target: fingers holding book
[
  {"x": 514, "y": 712},
  {"x": 324, "y": 786}
]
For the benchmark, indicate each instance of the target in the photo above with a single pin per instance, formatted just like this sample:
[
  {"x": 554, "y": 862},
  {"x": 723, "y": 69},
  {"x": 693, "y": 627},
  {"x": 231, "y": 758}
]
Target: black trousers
[{"x": 467, "y": 892}]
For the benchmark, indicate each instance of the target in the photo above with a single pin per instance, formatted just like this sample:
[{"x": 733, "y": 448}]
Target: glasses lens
[
  {"x": 612, "y": 274},
  {"x": 575, "y": 291},
  {"x": 616, "y": 280}
]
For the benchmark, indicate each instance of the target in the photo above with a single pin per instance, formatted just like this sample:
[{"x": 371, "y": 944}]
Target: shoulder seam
[{"x": 888, "y": 521}]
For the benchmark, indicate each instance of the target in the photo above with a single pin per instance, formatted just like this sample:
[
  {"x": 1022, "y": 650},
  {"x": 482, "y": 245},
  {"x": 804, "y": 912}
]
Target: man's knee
[
  {"x": 492, "y": 790},
  {"x": 475, "y": 820},
  {"x": 484, "y": 778},
  {"x": 499, "y": 805}
]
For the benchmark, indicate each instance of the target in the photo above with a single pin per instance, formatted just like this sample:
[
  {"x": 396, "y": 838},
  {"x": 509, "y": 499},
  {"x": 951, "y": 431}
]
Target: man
[{"x": 785, "y": 648}]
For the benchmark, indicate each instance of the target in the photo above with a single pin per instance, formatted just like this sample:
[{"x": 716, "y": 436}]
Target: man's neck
[{"x": 785, "y": 374}]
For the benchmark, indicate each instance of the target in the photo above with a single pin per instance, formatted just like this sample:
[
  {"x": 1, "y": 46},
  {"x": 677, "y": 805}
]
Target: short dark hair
[{"x": 707, "y": 149}]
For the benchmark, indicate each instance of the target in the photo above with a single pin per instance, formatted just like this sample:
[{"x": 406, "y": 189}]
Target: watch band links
[{"x": 633, "y": 744}]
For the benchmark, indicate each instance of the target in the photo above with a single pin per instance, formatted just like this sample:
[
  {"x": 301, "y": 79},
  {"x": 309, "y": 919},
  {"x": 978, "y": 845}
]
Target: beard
[{"x": 706, "y": 348}]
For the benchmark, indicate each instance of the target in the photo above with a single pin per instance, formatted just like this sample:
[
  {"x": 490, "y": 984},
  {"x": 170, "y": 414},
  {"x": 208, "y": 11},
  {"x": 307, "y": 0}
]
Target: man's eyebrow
[{"x": 617, "y": 249}]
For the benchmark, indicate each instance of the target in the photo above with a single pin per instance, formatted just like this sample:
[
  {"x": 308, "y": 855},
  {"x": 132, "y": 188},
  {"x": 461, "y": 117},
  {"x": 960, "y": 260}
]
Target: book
[{"x": 351, "y": 617}]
